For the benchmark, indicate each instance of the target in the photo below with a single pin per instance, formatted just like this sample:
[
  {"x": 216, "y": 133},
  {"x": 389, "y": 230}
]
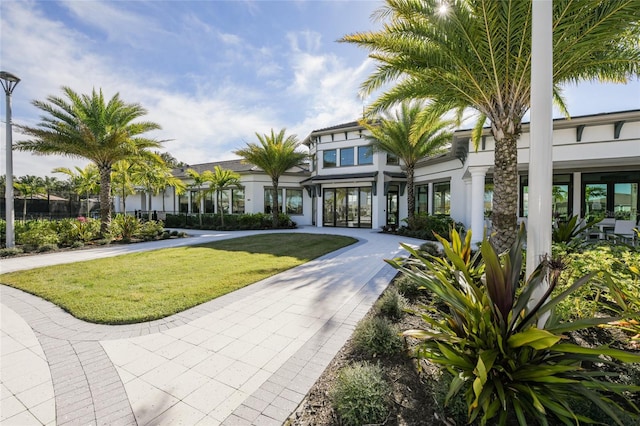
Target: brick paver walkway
[{"x": 247, "y": 358}]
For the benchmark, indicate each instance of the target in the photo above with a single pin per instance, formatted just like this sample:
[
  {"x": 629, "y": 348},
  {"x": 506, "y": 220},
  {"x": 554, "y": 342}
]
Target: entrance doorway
[{"x": 392, "y": 206}]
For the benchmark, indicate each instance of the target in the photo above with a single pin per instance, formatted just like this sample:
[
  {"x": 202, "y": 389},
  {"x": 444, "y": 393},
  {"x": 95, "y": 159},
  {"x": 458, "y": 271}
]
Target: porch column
[
  {"x": 467, "y": 208},
  {"x": 477, "y": 202},
  {"x": 577, "y": 194},
  {"x": 540, "y": 151},
  {"x": 430, "y": 201}
]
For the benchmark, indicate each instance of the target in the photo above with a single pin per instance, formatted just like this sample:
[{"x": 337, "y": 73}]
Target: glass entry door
[{"x": 392, "y": 207}]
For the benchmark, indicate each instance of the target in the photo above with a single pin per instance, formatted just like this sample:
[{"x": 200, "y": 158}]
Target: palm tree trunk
[
  {"x": 219, "y": 201},
  {"x": 149, "y": 197},
  {"x": 276, "y": 206},
  {"x": 411, "y": 201},
  {"x": 105, "y": 201},
  {"x": 505, "y": 181}
]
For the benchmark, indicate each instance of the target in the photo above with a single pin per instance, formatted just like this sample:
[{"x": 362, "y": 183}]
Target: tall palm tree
[
  {"x": 478, "y": 55},
  {"x": 121, "y": 181},
  {"x": 86, "y": 126},
  {"x": 411, "y": 135},
  {"x": 221, "y": 180},
  {"x": 200, "y": 182},
  {"x": 85, "y": 181},
  {"x": 275, "y": 154}
]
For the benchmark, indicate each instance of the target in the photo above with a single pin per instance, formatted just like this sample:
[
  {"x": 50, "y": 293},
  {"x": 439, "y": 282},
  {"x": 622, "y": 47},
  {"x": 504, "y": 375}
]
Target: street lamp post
[{"x": 9, "y": 82}]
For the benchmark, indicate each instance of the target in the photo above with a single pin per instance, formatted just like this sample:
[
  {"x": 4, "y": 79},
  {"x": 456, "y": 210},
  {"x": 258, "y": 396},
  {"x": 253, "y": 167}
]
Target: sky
[{"x": 211, "y": 73}]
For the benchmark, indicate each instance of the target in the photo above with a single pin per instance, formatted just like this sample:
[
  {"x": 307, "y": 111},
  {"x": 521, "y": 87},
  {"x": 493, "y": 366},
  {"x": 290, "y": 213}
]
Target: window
[
  {"x": 347, "y": 207},
  {"x": 329, "y": 158},
  {"x": 392, "y": 159},
  {"x": 294, "y": 201},
  {"x": 365, "y": 155},
  {"x": 237, "y": 200},
  {"x": 346, "y": 157},
  {"x": 613, "y": 194},
  {"x": 224, "y": 202},
  {"x": 442, "y": 198},
  {"x": 208, "y": 202},
  {"x": 183, "y": 203},
  {"x": 488, "y": 197},
  {"x": 562, "y": 196},
  {"x": 422, "y": 198},
  {"x": 195, "y": 202},
  {"x": 268, "y": 200}
]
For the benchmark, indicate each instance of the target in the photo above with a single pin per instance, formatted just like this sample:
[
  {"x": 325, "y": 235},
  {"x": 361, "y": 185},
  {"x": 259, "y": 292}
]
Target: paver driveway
[{"x": 247, "y": 358}]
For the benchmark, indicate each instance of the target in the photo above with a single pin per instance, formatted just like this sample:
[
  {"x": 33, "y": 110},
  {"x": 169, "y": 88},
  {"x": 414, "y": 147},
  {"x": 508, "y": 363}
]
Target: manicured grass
[{"x": 150, "y": 285}]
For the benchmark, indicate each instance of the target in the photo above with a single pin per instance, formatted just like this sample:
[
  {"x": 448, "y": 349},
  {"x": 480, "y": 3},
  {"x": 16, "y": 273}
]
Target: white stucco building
[{"x": 596, "y": 170}]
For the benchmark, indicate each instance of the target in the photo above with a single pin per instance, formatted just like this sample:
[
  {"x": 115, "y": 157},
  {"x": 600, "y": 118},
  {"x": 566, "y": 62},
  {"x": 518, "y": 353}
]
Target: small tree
[
  {"x": 84, "y": 181},
  {"x": 275, "y": 154},
  {"x": 221, "y": 180},
  {"x": 29, "y": 186}
]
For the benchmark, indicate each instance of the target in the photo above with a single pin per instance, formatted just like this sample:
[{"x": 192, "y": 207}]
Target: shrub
[
  {"x": 486, "y": 335},
  {"x": 35, "y": 233},
  {"x": 361, "y": 395},
  {"x": 424, "y": 225},
  {"x": 431, "y": 248},
  {"x": 570, "y": 232},
  {"x": 150, "y": 230},
  {"x": 71, "y": 231},
  {"x": 377, "y": 336},
  {"x": 47, "y": 247},
  {"x": 392, "y": 304},
  {"x": 8, "y": 252},
  {"x": 124, "y": 227},
  {"x": 407, "y": 287}
]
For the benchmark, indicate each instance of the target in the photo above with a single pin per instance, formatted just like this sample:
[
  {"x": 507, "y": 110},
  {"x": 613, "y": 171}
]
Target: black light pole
[{"x": 9, "y": 82}]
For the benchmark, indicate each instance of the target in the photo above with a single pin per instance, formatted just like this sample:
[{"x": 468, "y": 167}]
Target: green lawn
[{"x": 145, "y": 286}]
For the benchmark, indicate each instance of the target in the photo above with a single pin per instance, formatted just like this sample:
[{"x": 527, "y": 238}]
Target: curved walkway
[{"x": 247, "y": 358}]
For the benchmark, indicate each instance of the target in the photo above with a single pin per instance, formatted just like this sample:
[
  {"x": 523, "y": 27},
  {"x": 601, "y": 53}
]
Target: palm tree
[
  {"x": 84, "y": 181},
  {"x": 50, "y": 184},
  {"x": 154, "y": 175},
  {"x": 29, "y": 186},
  {"x": 199, "y": 184},
  {"x": 221, "y": 180},
  {"x": 84, "y": 126},
  {"x": 478, "y": 55},
  {"x": 121, "y": 181},
  {"x": 411, "y": 135},
  {"x": 275, "y": 154}
]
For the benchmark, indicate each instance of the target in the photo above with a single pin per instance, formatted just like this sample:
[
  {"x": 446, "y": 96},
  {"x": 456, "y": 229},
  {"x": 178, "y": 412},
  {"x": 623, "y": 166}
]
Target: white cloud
[{"x": 118, "y": 24}]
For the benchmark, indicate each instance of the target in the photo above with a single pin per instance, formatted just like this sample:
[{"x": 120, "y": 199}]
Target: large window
[
  {"x": 195, "y": 202},
  {"x": 268, "y": 200},
  {"x": 346, "y": 157},
  {"x": 392, "y": 159},
  {"x": 365, "y": 155},
  {"x": 294, "y": 201},
  {"x": 422, "y": 198},
  {"x": 208, "y": 202},
  {"x": 613, "y": 194},
  {"x": 237, "y": 200},
  {"x": 561, "y": 192},
  {"x": 442, "y": 198},
  {"x": 223, "y": 201},
  {"x": 329, "y": 158}
]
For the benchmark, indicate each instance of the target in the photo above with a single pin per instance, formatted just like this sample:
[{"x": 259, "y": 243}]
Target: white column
[
  {"x": 477, "y": 202},
  {"x": 430, "y": 201},
  {"x": 540, "y": 152},
  {"x": 467, "y": 195},
  {"x": 577, "y": 194}
]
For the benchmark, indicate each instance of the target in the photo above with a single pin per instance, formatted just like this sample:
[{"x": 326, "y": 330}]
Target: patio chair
[
  {"x": 600, "y": 230},
  {"x": 623, "y": 231}
]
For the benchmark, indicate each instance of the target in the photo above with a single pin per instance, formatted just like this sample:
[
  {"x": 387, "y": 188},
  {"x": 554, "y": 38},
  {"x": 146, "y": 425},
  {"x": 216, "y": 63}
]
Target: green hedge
[{"x": 232, "y": 222}]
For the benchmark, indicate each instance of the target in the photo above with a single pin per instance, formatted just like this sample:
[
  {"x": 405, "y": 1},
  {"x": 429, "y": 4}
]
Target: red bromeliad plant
[{"x": 488, "y": 336}]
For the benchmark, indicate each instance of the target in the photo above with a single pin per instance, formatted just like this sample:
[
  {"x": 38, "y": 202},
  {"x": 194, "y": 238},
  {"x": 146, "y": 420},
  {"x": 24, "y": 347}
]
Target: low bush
[
  {"x": 408, "y": 288},
  {"x": 150, "y": 230},
  {"x": 47, "y": 247},
  {"x": 8, "y": 252},
  {"x": 377, "y": 336},
  {"x": 35, "y": 233},
  {"x": 361, "y": 395},
  {"x": 124, "y": 227},
  {"x": 424, "y": 226},
  {"x": 431, "y": 248},
  {"x": 391, "y": 304}
]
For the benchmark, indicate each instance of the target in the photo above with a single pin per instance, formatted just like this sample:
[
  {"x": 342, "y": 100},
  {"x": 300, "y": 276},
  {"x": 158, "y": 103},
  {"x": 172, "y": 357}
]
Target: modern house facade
[{"x": 596, "y": 171}]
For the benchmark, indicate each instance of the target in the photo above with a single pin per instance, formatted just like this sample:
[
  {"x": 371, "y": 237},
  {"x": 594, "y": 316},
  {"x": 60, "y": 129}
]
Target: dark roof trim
[
  {"x": 396, "y": 175},
  {"x": 346, "y": 176}
]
